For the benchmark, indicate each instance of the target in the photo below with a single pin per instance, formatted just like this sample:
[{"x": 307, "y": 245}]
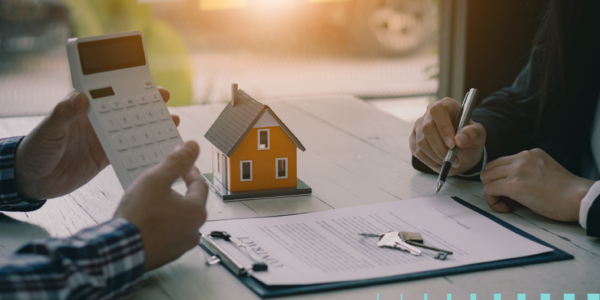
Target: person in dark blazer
[{"x": 536, "y": 142}]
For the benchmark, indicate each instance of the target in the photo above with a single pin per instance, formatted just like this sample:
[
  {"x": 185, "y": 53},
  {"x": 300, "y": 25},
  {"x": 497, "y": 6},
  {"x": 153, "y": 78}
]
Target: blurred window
[{"x": 197, "y": 48}]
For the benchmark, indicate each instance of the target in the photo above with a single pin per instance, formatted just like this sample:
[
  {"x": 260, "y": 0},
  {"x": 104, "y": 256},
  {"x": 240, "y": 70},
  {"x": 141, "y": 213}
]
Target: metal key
[{"x": 393, "y": 240}]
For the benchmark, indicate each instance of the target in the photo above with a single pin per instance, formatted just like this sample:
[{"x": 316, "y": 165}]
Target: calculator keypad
[
  {"x": 137, "y": 116},
  {"x": 130, "y": 161},
  {"x": 116, "y": 104},
  {"x": 103, "y": 107},
  {"x": 129, "y": 102},
  {"x": 147, "y": 136},
  {"x": 155, "y": 154},
  {"x": 111, "y": 123},
  {"x": 134, "y": 138},
  {"x": 163, "y": 113},
  {"x": 142, "y": 99},
  {"x": 155, "y": 97},
  {"x": 150, "y": 114},
  {"x": 143, "y": 157},
  {"x": 124, "y": 120},
  {"x": 159, "y": 133},
  {"x": 120, "y": 142},
  {"x": 140, "y": 128}
]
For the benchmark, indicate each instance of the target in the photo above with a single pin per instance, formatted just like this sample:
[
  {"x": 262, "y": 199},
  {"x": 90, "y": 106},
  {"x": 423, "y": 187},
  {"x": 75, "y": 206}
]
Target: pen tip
[{"x": 438, "y": 187}]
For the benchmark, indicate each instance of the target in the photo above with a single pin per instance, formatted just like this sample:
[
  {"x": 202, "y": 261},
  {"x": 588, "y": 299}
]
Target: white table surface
[{"x": 355, "y": 155}]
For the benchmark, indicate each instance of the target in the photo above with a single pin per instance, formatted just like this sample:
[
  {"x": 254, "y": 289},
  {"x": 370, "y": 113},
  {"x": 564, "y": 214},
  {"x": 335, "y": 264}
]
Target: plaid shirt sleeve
[
  {"x": 9, "y": 199},
  {"x": 100, "y": 262}
]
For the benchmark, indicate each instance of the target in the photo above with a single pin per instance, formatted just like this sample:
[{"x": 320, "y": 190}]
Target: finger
[
  {"x": 197, "y": 188},
  {"x": 472, "y": 135},
  {"x": 424, "y": 146},
  {"x": 495, "y": 174},
  {"x": 177, "y": 164},
  {"x": 164, "y": 93},
  {"x": 430, "y": 130},
  {"x": 442, "y": 113},
  {"x": 428, "y": 161},
  {"x": 494, "y": 193},
  {"x": 64, "y": 113},
  {"x": 176, "y": 119},
  {"x": 502, "y": 161}
]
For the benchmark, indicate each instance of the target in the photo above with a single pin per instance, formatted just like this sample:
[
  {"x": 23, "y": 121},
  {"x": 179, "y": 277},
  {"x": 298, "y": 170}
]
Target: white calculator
[{"x": 126, "y": 110}]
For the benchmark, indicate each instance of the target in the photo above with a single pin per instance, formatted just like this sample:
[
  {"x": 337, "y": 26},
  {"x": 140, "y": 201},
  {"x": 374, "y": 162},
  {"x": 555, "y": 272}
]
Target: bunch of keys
[{"x": 406, "y": 241}]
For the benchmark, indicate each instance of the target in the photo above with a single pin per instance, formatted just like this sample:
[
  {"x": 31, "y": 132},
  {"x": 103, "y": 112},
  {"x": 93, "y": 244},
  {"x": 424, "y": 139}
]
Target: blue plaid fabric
[
  {"x": 102, "y": 262},
  {"x": 9, "y": 200}
]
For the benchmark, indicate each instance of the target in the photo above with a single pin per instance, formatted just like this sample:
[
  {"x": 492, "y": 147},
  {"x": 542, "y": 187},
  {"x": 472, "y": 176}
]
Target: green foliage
[{"x": 168, "y": 54}]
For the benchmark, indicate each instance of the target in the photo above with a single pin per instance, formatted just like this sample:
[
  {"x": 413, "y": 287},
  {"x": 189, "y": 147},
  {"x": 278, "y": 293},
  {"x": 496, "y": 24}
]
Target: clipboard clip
[{"x": 220, "y": 255}]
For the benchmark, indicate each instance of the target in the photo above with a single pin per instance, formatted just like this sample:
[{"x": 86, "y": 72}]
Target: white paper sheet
[{"x": 325, "y": 246}]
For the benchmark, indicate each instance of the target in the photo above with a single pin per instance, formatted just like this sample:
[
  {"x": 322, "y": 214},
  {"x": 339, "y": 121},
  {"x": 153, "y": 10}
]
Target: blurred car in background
[
  {"x": 32, "y": 25},
  {"x": 377, "y": 27}
]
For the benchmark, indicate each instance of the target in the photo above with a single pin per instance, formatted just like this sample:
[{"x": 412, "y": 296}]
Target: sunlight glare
[{"x": 222, "y": 4}]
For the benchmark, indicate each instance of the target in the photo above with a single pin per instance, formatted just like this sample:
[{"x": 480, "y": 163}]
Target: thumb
[
  {"x": 64, "y": 113},
  {"x": 177, "y": 164},
  {"x": 472, "y": 135}
]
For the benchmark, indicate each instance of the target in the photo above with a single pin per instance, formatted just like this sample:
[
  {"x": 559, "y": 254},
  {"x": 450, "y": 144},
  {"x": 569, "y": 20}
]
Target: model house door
[{"x": 224, "y": 170}]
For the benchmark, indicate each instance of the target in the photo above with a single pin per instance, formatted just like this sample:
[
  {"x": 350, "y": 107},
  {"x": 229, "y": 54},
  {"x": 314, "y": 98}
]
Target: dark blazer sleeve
[
  {"x": 593, "y": 219},
  {"x": 508, "y": 118}
]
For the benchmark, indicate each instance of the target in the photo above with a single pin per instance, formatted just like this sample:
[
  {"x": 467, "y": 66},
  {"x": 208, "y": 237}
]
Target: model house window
[
  {"x": 246, "y": 170},
  {"x": 281, "y": 168},
  {"x": 264, "y": 142},
  {"x": 218, "y": 163}
]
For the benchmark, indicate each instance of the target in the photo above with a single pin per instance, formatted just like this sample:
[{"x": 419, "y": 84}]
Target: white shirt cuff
[
  {"x": 482, "y": 166},
  {"x": 587, "y": 202}
]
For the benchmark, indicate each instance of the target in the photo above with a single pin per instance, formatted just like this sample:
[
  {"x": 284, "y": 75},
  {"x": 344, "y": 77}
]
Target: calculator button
[
  {"x": 175, "y": 143},
  {"x": 111, "y": 123},
  {"x": 120, "y": 142},
  {"x": 148, "y": 84},
  {"x": 163, "y": 112},
  {"x": 166, "y": 148},
  {"x": 137, "y": 116},
  {"x": 142, "y": 99},
  {"x": 130, "y": 161},
  {"x": 171, "y": 130},
  {"x": 150, "y": 114},
  {"x": 155, "y": 97},
  {"x": 129, "y": 101},
  {"x": 134, "y": 139},
  {"x": 147, "y": 136},
  {"x": 124, "y": 120},
  {"x": 160, "y": 134},
  {"x": 155, "y": 154},
  {"x": 135, "y": 175},
  {"x": 103, "y": 107},
  {"x": 116, "y": 104},
  {"x": 143, "y": 157}
]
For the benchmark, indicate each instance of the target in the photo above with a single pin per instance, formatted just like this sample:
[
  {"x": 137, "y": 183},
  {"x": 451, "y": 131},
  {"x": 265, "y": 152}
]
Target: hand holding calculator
[{"x": 126, "y": 109}]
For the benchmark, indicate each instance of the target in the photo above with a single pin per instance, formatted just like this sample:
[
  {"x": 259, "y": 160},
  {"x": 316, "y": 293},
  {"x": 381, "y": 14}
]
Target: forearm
[
  {"x": 9, "y": 198},
  {"x": 99, "y": 262}
]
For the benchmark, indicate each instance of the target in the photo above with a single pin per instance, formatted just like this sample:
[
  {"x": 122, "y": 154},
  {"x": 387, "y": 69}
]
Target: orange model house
[{"x": 254, "y": 153}]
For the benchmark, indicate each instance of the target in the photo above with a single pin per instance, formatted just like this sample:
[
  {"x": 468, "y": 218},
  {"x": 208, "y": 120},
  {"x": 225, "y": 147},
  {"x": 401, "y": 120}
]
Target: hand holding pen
[
  {"x": 435, "y": 133},
  {"x": 463, "y": 118}
]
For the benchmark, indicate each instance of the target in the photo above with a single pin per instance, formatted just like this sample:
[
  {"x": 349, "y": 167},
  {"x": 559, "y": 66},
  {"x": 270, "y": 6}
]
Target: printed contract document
[{"x": 324, "y": 247}]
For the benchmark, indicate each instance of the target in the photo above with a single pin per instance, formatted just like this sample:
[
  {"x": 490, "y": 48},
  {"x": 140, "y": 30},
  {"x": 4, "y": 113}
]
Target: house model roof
[{"x": 235, "y": 122}]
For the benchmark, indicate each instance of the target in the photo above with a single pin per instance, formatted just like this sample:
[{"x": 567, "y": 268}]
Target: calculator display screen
[{"x": 112, "y": 54}]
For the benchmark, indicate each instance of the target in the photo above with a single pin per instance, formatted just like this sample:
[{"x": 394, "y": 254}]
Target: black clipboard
[{"x": 265, "y": 291}]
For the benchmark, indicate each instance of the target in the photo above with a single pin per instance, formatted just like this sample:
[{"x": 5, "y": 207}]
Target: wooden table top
[{"x": 355, "y": 155}]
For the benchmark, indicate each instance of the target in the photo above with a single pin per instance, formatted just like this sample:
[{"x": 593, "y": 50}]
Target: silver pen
[{"x": 465, "y": 115}]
